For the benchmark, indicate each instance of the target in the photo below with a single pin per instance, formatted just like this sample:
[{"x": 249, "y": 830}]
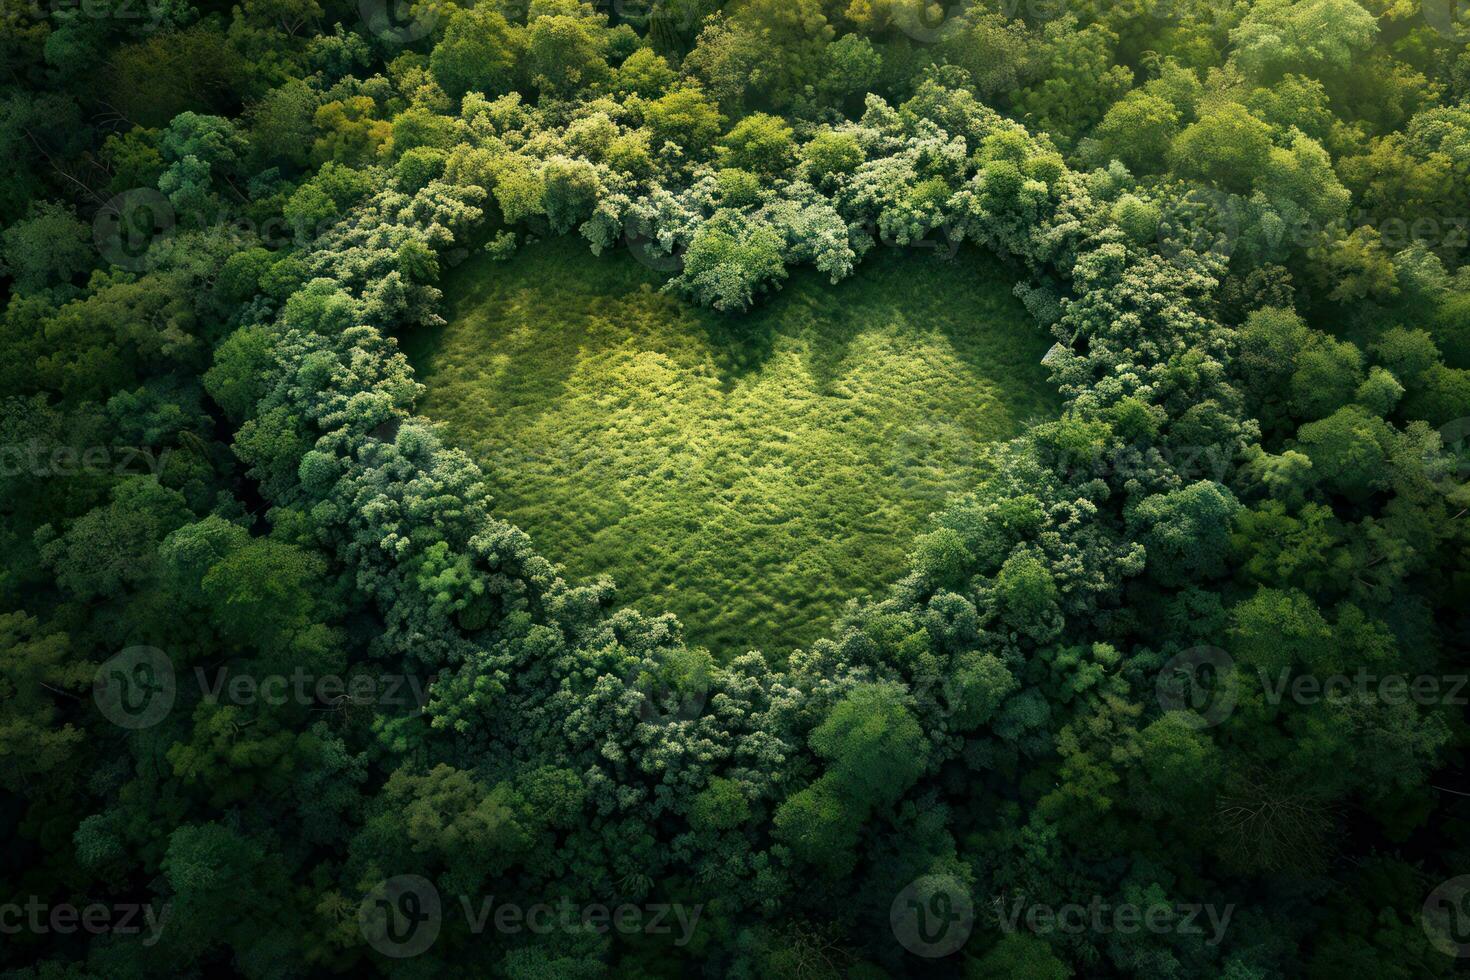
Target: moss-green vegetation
[
  {"x": 274, "y": 670},
  {"x": 747, "y": 473}
]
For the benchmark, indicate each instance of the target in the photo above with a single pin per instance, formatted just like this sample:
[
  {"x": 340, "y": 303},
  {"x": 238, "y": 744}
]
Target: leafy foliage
[{"x": 1231, "y": 221}]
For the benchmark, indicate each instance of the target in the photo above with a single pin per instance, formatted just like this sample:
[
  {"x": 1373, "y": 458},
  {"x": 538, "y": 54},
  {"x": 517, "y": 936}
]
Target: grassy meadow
[{"x": 748, "y": 473}]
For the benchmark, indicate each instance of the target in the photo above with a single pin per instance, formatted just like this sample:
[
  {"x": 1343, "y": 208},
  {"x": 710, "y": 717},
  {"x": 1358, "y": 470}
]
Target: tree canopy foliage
[{"x": 1237, "y": 223}]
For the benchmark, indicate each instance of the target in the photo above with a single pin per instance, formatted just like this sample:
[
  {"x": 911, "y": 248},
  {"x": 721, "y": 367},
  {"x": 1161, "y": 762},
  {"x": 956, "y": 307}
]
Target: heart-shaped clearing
[{"x": 748, "y": 473}]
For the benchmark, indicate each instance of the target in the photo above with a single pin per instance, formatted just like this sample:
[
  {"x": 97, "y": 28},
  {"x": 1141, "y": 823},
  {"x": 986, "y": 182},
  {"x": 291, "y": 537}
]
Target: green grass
[{"x": 747, "y": 473}]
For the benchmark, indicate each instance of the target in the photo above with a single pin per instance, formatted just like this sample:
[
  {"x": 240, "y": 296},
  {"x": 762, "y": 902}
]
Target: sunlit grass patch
[{"x": 748, "y": 473}]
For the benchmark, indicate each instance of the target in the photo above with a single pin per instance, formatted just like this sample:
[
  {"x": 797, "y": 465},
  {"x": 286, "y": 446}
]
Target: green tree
[{"x": 478, "y": 53}]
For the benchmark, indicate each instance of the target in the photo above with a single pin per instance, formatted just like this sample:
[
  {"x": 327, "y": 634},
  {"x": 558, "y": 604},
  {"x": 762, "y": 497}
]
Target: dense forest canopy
[{"x": 1176, "y": 688}]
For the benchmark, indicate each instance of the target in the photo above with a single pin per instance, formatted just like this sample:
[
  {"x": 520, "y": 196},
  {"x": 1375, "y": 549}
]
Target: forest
[{"x": 833, "y": 489}]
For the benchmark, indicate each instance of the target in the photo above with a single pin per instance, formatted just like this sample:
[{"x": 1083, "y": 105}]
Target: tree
[
  {"x": 1138, "y": 130},
  {"x": 1186, "y": 532},
  {"x": 732, "y": 260},
  {"x": 112, "y": 548},
  {"x": 1018, "y": 956},
  {"x": 348, "y": 133},
  {"x": 236, "y": 380},
  {"x": 759, "y": 143},
  {"x": 155, "y": 79},
  {"x": 643, "y": 73},
  {"x": 1349, "y": 450},
  {"x": 281, "y": 124},
  {"x": 874, "y": 747},
  {"x": 685, "y": 117},
  {"x": 1227, "y": 146},
  {"x": 565, "y": 53},
  {"x": 1076, "y": 78},
  {"x": 1305, "y": 36},
  {"x": 995, "y": 51},
  {"x": 830, "y": 155},
  {"x": 1327, "y": 374},
  {"x": 48, "y": 246},
  {"x": 478, "y": 53},
  {"x": 35, "y": 667},
  {"x": 225, "y": 891},
  {"x": 263, "y": 592}
]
